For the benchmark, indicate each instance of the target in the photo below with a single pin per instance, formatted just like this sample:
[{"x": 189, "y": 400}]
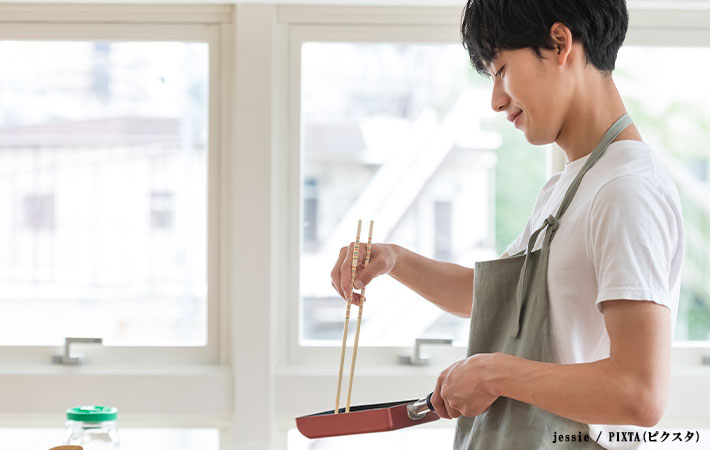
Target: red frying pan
[{"x": 367, "y": 418}]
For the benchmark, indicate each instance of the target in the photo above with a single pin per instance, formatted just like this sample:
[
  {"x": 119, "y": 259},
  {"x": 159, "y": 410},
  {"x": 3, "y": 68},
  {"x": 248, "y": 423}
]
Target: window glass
[
  {"x": 403, "y": 134},
  {"x": 384, "y": 137},
  {"x": 672, "y": 111},
  {"x": 103, "y": 192}
]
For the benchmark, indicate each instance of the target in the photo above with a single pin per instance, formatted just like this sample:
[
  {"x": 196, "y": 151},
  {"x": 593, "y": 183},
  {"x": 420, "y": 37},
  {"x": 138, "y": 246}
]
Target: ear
[{"x": 562, "y": 40}]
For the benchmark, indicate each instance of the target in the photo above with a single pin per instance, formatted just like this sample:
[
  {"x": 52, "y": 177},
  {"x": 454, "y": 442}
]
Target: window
[
  {"x": 673, "y": 118},
  {"x": 374, "y": 126},
  {"x": 93, "y": 135},
  {"x": 403, "y": 134},
  {"x": 310, "y": 213},
  {"x": 162, "y": 205},
  {"x": 111, "y": 134},
  {"x": 39, "y": 212},
  {"x": 442, "y": 230}
]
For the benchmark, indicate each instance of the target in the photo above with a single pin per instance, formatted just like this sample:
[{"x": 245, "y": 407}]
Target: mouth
[{"x": 512, "y": 117}]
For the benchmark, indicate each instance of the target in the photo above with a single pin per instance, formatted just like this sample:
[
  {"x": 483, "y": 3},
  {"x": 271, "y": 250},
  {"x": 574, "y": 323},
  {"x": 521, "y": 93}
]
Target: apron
[{"x": 510, "y": 314}]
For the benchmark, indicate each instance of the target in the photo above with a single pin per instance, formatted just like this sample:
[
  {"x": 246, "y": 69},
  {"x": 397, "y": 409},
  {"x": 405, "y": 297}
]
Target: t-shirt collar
[{"x": 576, "y": 165}]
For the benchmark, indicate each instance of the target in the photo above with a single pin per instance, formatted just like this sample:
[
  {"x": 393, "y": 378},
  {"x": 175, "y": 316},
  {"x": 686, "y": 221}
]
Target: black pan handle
[{"x": 420, "y": 408}]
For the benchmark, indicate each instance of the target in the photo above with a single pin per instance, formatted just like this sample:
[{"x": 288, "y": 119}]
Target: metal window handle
[
  {"x": 67, "y": 358},
  {"x": 417, "y": 358}
]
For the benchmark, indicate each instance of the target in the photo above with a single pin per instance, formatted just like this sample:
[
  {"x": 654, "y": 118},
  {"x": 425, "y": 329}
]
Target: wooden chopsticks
[{"x": 356, "y": 251}]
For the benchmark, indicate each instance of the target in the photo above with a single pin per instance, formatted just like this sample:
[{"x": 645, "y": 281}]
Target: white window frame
[
  {"x": 300, "y": 33},
  {"x": 311, "y": 369},
  {"x": 256, "y": 383},
  {"x": 170, "y": 386}
]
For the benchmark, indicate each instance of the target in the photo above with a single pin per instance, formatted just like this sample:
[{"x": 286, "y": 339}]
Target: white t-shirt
[{"x": 620, "y": 238}]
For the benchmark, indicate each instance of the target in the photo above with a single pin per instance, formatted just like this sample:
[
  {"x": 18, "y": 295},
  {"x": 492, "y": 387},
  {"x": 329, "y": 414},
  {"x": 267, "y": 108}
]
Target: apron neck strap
[
  {"x": 612, "y": 133},
  {"x": 552, "y": 222}
]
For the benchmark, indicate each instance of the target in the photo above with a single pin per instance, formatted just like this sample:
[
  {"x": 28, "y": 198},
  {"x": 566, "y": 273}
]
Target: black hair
[{"x": 489, "y": 26}]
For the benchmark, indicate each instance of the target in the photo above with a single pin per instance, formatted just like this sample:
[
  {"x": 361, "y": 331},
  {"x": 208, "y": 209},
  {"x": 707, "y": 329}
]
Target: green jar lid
[{"x": 92, "y": 413}]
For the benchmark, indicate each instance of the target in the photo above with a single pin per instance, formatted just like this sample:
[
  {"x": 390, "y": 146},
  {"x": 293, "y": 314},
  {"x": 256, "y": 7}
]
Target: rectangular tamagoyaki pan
[{"x": 367, "y": 418}]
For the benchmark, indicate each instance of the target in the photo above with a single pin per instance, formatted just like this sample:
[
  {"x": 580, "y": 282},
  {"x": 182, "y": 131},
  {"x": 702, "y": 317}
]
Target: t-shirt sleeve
[{"x": 632, "y": 237}]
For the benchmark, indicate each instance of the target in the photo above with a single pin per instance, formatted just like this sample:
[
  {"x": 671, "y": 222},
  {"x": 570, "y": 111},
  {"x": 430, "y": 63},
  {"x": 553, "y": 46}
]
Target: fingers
[
  {"x": 453, "y": 412},
  {"x": 341, "y": 274},
  {"x": 335, "y": 273},
  {"x": 440, "y": 399},
  {"x": 337, "y": 289},
  {"x": 438, "y": 403},
  {"x": 346, "y": 272},
  {"x": 367, "y": 273}
]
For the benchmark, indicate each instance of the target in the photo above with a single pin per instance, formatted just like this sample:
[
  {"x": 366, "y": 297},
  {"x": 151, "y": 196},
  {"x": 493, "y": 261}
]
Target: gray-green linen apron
[{"x": 510, "y": 314}]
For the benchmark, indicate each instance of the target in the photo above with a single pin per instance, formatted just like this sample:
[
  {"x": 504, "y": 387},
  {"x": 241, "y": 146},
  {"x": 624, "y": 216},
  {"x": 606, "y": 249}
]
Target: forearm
[
  {"x": 603, "y": 391},
  {"x": 447, "y": 285}
]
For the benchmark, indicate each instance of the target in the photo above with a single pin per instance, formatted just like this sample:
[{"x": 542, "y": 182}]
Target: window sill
[{"x": 198, "y": 396}]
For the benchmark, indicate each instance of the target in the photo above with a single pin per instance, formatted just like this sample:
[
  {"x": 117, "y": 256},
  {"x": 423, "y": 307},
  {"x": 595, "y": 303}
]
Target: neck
[{"x": 596, "y": 105}]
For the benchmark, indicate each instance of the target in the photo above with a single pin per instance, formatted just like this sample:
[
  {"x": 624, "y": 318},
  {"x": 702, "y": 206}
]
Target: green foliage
[{"x": 693, "y": 316}]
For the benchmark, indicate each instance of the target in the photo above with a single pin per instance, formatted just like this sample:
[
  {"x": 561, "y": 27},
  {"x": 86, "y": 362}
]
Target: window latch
[
  {"x": 76, "y": 359},
  {"x": 417, "y": 358}
]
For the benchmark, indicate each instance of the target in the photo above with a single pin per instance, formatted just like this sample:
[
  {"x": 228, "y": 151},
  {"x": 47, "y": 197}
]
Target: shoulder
[
  {"x": 634, "y": 200},
  {"x": 636, "y": 208},
  {"x": 631, "y": 172}
]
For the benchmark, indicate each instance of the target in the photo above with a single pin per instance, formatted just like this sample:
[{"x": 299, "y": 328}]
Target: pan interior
[{"x": 364, "y": 408}]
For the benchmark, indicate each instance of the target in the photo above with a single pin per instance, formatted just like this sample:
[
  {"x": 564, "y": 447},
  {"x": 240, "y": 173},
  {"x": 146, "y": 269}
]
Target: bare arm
[
  {"x": 447, "y": 285},
  {"x": 630, "y": 387}
]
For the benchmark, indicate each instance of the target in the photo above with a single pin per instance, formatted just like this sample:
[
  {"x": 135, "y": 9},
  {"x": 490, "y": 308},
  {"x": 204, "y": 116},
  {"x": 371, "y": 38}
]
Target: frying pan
[{"x": 367, "y": 418}]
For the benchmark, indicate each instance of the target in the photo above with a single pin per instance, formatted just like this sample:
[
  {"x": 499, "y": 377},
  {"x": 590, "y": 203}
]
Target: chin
[{"x": 537, "y": 139}]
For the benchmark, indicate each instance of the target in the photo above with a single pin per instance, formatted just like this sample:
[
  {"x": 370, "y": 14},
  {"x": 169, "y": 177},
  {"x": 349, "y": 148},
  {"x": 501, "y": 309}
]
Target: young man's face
[{"x": 530, "y": 91}]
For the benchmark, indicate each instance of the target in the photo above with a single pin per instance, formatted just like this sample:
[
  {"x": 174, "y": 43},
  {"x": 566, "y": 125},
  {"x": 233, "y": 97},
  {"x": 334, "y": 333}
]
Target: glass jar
[{"x": 92, "y": 427}]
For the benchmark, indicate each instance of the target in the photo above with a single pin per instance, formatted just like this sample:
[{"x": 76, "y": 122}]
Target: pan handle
[{"x": 420, "y": 408}]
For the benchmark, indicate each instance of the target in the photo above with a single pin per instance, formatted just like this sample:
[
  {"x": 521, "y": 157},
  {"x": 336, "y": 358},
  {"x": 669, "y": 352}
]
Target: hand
[
  {"x": 463, "y": 389},
  {"x": 382, "y": 260}
]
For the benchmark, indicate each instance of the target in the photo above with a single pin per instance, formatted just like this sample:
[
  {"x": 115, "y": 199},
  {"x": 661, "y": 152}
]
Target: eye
[{"x": 500, "y": 72}]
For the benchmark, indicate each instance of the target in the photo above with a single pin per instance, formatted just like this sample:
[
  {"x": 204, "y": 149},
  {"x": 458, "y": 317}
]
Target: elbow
[
  {"x": 650, "y": 405},
  {"x": 463, "y": 314}
]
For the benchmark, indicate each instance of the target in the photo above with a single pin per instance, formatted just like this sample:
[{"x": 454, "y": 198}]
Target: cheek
[{"x": 541, "y": 115}]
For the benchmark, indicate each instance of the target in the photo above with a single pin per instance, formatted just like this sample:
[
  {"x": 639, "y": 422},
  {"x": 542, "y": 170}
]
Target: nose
[{"x": 499, "y": 99}]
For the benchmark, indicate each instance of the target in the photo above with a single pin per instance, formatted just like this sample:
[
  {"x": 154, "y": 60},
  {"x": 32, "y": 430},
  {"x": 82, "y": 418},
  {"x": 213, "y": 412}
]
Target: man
[{"x": 572, "y": 327}]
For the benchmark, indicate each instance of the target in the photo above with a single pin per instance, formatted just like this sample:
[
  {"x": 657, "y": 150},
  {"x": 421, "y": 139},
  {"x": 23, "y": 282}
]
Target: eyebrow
[{"x": 493, "y": 69}]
